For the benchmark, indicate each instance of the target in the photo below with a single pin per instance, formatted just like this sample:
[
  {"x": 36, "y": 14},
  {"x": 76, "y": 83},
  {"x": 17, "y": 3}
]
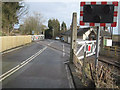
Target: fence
[
  {"x": 82, "y": 46},
  {"x": 8, "y": 42},
  {"x": 85, "y": 68},
  {"x": 37, "y": 37},
  {"x": 111, "y": 51}
]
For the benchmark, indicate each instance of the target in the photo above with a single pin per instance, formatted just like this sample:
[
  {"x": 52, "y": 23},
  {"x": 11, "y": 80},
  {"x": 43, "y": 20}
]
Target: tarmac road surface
[{"x": 44, "y": 66}]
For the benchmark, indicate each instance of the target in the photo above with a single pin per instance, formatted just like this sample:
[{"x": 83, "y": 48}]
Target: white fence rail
[{"x": 83, "y": 45}]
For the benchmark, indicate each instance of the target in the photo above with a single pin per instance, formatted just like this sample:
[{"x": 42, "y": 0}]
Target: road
[{"x": 41, "y": 65}]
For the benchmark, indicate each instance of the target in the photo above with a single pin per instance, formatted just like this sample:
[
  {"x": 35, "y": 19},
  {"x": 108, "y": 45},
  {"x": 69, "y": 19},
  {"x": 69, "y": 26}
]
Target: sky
[
  {"x": 58, "y": 10},
  {"x": 61, "y": 10}
]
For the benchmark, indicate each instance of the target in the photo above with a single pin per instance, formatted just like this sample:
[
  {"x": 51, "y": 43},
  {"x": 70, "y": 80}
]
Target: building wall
[
  {"x": 80, "y": 37},
  {"x": 65, "y": 38}
]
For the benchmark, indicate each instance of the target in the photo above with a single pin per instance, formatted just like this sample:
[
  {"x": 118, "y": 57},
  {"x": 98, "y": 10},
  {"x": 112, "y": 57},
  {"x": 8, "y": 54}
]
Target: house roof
[
  {"x": 68, "y": 32},
  {"x": 82, "y": 31}
]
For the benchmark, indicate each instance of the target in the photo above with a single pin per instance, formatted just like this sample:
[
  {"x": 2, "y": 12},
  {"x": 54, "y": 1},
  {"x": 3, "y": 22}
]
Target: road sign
[
  {"x": 99, "y": 13},
  {"x": 108, "y": 42}
]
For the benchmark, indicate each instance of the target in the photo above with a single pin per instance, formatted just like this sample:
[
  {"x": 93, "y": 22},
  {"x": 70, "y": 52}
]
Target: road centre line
[
  {"x": 20, "y": 64},
  {"x": 56, "y": 48},
  {"x": 7, "y": 74},
  {"x": 16, "y": 68}
]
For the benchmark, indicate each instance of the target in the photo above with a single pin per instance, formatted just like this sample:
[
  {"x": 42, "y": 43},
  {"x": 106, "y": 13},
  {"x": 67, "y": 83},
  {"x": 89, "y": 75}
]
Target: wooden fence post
[{"x": 73, "y": 37}]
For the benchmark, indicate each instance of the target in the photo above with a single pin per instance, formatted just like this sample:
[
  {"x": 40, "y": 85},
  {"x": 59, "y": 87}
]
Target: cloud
[{"x": 59, "y": 10}]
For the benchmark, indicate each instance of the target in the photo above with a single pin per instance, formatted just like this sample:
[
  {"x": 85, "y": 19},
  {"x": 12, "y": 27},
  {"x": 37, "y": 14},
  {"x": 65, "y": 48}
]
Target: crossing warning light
[{"x": 98, "y": 13}]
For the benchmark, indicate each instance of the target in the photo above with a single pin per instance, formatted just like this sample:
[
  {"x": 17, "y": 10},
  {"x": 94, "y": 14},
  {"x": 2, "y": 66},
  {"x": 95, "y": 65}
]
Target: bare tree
[{"x": 33, "y": 23}]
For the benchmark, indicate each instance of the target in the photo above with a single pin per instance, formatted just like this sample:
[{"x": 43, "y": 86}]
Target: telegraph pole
[{"x": 73, "y": 37}]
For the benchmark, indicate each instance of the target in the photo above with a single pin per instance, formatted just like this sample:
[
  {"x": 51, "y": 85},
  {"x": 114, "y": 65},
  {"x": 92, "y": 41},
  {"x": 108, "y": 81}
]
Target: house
[
  {"x": 80, "y": 33},
  {"x": 85, "y": 34}
]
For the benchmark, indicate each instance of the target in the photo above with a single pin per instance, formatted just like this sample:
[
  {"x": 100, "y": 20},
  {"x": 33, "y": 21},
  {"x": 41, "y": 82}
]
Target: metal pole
[
  {"x": 84, "y": 65},
  {"x": 97, "y": 47},
  {"x": 112, "y": 33}
]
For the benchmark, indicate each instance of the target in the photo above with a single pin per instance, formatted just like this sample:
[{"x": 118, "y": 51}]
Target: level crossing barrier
[
  {"x": 90, "y": 48},
  {"x": 37, "y": 37}
]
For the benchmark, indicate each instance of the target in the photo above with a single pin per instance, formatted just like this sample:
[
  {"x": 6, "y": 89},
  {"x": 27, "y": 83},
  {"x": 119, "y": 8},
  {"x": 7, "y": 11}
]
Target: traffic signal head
[{"x": 98, "y": 13}]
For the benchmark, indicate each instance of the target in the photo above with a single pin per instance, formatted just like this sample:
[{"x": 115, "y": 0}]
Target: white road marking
[
  {"x": 51, "y": 43},
  {"x": 63, "y": 50},
  {"x": 10, "y": 72},
  {"x": 12, "y": 50},
  {"x": 47, "y": 44},
  {"x": 16, "y": 68}
]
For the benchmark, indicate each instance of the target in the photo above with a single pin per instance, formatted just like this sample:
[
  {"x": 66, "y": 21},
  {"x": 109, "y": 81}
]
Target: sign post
[
  {"x": 100, "y": 14},
  {"x": 97, "y": 47}
]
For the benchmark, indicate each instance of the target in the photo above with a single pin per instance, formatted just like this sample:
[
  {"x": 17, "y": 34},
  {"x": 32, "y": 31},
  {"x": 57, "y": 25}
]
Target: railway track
[{"x": 113, "y": 63}]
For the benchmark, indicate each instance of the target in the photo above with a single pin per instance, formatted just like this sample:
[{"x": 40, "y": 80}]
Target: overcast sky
[{"x": 61, "y": 10}]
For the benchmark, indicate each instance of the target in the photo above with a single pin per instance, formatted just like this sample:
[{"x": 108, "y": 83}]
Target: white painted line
[
  {"x": 51, "y": 43},
  {"x": 47, "y": 44},
  {"x": 20, "y": 64},
  {"x": 63, "y": 50},
  {"x": 10, "y": 72},
  {"x": 12, "y": 50}
]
